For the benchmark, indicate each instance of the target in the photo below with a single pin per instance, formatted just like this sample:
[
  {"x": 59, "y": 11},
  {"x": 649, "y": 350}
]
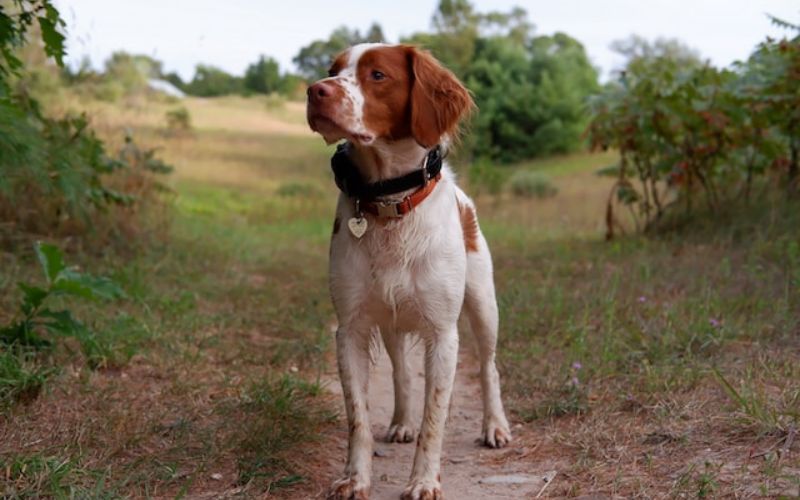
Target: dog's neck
[{"x": 387, "y": 159}]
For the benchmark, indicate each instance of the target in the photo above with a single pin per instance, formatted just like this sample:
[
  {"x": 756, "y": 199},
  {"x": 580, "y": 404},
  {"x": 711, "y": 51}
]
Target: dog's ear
[{"x": 438, "y": 100}]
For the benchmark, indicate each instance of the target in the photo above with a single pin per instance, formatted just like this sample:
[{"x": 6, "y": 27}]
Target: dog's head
[{"x": 390, "y": 92}]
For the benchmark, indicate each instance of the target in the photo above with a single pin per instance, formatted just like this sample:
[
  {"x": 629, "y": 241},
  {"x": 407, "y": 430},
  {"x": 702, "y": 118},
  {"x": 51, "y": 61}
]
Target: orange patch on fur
[{"x": 469, "y": 225}]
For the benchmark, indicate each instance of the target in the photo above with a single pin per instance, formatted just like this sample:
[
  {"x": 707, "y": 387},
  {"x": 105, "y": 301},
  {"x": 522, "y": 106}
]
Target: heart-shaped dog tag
[{"x": 357, "y": 226}]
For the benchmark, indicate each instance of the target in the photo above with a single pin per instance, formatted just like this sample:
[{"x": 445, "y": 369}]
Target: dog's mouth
[{"x": 332, "y": 131}]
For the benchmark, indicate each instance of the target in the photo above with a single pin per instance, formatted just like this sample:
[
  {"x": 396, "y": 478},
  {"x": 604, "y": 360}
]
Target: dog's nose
[{"x": 319, "y": 91}]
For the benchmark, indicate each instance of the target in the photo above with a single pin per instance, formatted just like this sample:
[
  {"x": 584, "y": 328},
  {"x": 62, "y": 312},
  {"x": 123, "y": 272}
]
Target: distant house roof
[{"x": 165, "y": 87}]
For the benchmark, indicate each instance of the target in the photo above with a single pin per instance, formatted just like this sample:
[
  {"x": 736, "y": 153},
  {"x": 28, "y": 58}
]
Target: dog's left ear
[{"x": 438, "y": 100}]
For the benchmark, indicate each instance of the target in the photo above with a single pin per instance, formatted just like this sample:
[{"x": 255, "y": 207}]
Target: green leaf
[
  {"x": 33, "y": 298},
  {"x": 51, "y": 259},
  {"x": 52, "y": 38},
  {"x": 21, "y": 333},
  {"x": 62, "y": 323},
  {"x": 71, "y": 282},
  {"x": 627, "y": 194}
]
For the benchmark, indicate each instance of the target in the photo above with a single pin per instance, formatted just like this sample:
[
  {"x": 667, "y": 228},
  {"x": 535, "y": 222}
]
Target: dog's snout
[{"x": 320, "y": 91}]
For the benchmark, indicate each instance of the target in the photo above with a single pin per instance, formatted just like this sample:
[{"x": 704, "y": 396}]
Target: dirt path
[{"x": 469, "y": 471}]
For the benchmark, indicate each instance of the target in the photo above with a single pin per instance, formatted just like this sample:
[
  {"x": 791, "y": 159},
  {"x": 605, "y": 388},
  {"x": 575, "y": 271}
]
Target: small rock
[
  {"x": 216, "y": 476},
  {"x": 458, "y": 460},
  {"x": 293, "y": 369},
  {"x": 380, "y": 453},
  {"x": 385, "y": 478},
  {"x": 510, "y": 479}
]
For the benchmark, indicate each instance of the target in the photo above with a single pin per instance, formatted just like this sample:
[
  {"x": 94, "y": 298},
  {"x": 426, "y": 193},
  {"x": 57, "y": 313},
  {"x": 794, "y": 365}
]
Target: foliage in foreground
[
  {"x": 38, "y": 327},
  {"x": 692, "y": 133},
  {"x": 55, "y": 173}
]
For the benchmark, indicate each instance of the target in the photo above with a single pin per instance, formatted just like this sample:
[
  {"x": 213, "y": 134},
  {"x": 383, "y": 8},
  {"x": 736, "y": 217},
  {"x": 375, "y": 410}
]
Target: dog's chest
[{"x": 397, "y": 252}]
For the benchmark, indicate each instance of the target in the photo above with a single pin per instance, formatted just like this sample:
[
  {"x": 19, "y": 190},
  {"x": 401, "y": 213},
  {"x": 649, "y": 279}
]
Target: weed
[
  {"x": 20, "y": 378},
  {"x": 38, "y": 327},
  {"x": 757, "y": 410}
]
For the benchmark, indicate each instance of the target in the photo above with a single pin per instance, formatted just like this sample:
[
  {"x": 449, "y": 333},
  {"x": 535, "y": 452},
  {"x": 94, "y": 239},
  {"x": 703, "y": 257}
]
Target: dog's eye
[{"x": 377, "y": 75}]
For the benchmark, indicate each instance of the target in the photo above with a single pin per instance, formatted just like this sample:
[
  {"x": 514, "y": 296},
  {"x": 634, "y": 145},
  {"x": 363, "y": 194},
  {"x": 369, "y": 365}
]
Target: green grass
[{"x": 279, "y": 416}]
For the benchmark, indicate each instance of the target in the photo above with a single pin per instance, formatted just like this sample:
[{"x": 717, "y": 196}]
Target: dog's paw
[
  {"x": 348, "y": 488},
  {"x": 399, "y": 433},
  {"x": 423, "y": 490},
  {"x": 496, "y": 434}
]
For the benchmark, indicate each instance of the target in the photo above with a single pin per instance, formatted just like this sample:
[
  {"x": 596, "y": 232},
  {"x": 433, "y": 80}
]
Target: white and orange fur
[{"x": 407, "y": 276}]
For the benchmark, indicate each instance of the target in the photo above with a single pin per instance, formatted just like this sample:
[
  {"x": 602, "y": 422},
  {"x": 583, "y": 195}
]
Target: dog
[{"x": 407, "y": 254}]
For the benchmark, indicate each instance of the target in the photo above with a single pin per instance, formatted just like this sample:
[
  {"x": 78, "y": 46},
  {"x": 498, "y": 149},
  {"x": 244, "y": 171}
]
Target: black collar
[{"x": 349, "y": 180}]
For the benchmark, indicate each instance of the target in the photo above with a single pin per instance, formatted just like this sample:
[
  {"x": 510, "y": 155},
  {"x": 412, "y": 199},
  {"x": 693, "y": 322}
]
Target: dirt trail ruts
[{"x": 469, "y": 470}]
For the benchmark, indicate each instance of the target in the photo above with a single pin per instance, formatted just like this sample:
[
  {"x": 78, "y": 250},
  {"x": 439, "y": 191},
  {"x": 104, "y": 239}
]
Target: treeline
[
  {"x": 531, "y": 90},
  {"x": 261, "y": 77},
  {"x": 690, "y": 134},
  {"x": 125, "y": 74}
]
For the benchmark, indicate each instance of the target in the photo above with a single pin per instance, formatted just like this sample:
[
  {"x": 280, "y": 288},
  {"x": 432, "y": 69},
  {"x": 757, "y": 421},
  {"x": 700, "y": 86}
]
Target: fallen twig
[
  {"x": 787, "y": 444},
  {"x": 548, "y": 478}
]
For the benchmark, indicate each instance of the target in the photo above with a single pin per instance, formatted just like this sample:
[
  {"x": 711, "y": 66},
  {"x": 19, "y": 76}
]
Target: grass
[
  {"x": 649, "y": 367},
  {"x": 654, "y": 323}
]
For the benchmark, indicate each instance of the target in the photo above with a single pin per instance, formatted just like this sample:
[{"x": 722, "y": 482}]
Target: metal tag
[{"x": 357, "y": 226}]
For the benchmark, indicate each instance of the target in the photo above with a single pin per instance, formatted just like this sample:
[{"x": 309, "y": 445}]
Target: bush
[
  {"x": 55, "y": 174},
  {"x": 178, "y": 120},
  {"x": 38, "y": 327},
  {"x": 691, "y": 133},
  {"x": 529, "y": 184}
]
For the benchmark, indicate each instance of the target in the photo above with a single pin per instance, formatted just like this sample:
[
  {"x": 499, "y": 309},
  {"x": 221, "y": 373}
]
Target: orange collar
[{"x": 398, "y": 209}]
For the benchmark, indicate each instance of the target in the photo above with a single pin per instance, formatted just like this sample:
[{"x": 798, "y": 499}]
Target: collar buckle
[{"x": 388, "y": 209}]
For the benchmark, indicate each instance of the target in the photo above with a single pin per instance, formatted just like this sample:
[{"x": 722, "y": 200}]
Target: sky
[{"x": 231, "y": 34}]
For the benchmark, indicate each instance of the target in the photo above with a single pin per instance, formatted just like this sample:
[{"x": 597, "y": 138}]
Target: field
[{"x": 664, "y": 366}]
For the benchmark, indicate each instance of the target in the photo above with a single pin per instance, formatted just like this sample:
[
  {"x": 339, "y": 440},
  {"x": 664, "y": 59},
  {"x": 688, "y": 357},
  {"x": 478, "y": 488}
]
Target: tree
[
  {"x": 263, "y": 76},
  {"x": 314, "y": 59},
  {"x": 132, "y": 70},
  {"x": 639, "y": 51},
  {"x": 531, "y": 96},
  {"x": 210, "y": 81}
]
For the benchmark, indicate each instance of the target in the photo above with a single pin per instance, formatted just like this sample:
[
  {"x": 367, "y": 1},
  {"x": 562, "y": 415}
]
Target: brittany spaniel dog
[{"x": 406, "y": 254}]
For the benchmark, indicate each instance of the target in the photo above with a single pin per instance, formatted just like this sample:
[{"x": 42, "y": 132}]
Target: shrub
[
  {"x": 529, "y": 184},
  {"x": 37, "y": 327},
  {"x": 178, "y": 120},
  {"x": 55, "y": 174},
  {"x": 691, "y": 131}
]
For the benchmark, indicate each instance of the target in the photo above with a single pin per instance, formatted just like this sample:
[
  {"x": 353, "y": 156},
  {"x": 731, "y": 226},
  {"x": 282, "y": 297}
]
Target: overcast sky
[{"x": 232, "y": 33}]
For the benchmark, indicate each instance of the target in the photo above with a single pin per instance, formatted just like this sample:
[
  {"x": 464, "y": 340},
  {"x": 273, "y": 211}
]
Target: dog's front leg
[
  {"x": 352, "y": 352},
  {"x": 441, "y": 357}
]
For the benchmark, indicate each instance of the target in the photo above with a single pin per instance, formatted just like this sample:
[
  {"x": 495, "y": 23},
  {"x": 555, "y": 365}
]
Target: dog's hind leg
[
  {"x": 480, "y": 306},
  {"x": 401, "y": 430}
]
